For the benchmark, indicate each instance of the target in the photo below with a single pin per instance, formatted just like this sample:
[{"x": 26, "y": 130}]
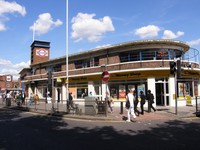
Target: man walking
[
  {"x": 150, "y": 98},
  {"x": 130, "y": 111}
]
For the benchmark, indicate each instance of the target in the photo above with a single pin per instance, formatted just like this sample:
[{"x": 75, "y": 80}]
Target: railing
[{"x": 61, "y": 107}]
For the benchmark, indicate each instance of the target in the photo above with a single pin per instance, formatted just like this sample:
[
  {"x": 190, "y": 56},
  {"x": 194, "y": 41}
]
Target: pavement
[{"x": 164, "y": 113}]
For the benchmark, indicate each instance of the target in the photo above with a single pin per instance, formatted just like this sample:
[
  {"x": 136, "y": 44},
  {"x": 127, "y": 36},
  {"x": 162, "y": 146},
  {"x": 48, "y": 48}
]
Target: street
[{"x": 29, "y": 131}]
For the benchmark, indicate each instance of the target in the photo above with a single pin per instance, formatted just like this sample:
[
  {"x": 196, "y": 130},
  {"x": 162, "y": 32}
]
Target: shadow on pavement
[{"x": 44, "y": 132}]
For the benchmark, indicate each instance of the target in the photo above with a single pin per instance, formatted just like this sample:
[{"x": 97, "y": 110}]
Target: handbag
[{"x": 127, "y": 105}]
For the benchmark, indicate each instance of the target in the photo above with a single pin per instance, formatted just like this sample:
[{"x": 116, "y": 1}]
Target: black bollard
[
  {"x": 149, "y": 109},
  {"x": 121, "y": 107}
]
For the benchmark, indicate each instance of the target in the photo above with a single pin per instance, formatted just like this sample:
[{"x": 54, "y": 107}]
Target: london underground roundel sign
[{"x": 105, "y": 76}]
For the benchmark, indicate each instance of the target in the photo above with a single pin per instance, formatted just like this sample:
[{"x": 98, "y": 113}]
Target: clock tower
[{"x": 39, "y": 51}]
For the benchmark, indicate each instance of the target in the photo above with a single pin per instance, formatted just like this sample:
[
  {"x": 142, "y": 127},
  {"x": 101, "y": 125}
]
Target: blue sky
[
  {"x": 131, "y": 20},
  {"x": 16, "y": 19},
  {"x": 92, "y": 24}
]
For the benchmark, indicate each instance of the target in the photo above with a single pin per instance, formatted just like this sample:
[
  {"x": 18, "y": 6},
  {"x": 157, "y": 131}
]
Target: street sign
[{"x": 105, "y": 76}]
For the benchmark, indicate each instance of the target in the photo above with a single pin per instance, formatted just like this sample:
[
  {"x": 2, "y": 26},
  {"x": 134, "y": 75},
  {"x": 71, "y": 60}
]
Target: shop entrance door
[{"x": 162, "y": 97}]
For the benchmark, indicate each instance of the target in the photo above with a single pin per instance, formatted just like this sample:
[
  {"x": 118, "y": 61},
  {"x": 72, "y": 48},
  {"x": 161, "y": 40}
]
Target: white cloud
[
  {"x": 44, "y": 24},
  {"x": 4, "y": 62},
  {"x": 84, "y": 26},
  {"x": 170, "y": 35},
  {"x": 2, "y": 26},
  {"x": 194, "y": 42},
  {"x": 9, "y": 8},
  {"x": 149, "y": 31},
  {"x": 7, "y": 67}
]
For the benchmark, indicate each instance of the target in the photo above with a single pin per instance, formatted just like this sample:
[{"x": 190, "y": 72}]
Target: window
[
  {"x": 78, "y": 64},
  {"x": 87, "y": 63},
  {"x": 148, "y": 54},
  {"x": 135, "y": 56},
  {"x": 185, "y": 89},
  {"x": 124, "y": 57},
  {"x": 57, "y": 68}
]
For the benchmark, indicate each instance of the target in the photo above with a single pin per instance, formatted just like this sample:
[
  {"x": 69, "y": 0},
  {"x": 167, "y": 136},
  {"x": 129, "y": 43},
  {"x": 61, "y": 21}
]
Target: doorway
[{"x": 162, "y": 96}]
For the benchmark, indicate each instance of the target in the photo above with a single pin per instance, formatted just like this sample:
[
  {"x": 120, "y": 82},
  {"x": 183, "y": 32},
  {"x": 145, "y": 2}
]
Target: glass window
[
  {"x": 124, "y": 57},
  {"x": 185, "y": 89},
  {"x": 135, "y": 56},
  {"x": 148, "y": 54},
  {"x": 57, "y": 68}
]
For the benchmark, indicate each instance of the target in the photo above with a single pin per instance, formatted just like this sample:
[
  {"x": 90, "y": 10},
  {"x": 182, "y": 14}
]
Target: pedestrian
[
  {"x": 36, "y": 99},
  {"x": 70, "y": 102},
  {"x": 142, "y": 102},
  {"x": 84, "y": 94},
  {"x": 110, "y": 102},
  {"x": 23, "y": 97},
  {"x": 8, "y": 98},
  {"x": 90, "y": 94},
  {"x": 150, "y": 98},
  {"x": 130, "y": 111},
  {"x": 137, "y": 112},
  {"x": 31, "y": 101}
]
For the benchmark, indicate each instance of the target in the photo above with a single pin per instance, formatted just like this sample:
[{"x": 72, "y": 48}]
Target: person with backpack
[
  {"x": 142, "y": 102},
  {"x": 136, "y": 101},
  {"x": 130, "y": 109},
  {"x": 150, "y": 98}
]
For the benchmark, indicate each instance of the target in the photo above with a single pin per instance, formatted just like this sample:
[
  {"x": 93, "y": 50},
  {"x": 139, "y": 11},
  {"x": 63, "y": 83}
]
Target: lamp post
[{"x": 67, "y": 91}]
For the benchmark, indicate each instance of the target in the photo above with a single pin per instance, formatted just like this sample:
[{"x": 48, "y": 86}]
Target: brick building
[
  {"x": 137, "y": 65},
  {"x": 7, "y": 82}
]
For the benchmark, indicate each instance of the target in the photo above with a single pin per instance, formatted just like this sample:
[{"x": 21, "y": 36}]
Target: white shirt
[{"x": 8, "y": 95}]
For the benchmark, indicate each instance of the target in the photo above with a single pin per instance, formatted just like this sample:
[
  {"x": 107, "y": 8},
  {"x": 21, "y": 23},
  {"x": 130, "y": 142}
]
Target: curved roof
[
  {"x": 146, "y": 42},
  {"x": 183, "y": 45}
]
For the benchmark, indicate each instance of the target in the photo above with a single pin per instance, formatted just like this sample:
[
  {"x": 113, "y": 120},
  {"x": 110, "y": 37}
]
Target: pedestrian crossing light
[{"x": 172, "y": 65}]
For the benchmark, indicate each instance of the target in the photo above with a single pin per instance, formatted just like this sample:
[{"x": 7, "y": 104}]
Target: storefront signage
[
  {"x": 122, "y": 92},
  {"x": 127, "y": 75},
  {"x": 58, "y": 79},
  {"x": 162, "y": 53},
  {"x": 8, "y": 78}
]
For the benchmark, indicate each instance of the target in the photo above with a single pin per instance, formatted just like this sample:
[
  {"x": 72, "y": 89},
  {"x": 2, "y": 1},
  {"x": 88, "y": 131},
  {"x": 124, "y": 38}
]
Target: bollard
[
  {"x": 149, "y": 109},
  {"x": 121, "y": 107}
]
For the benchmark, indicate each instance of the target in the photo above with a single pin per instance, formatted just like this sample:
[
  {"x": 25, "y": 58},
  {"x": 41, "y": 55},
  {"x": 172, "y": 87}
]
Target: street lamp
[{"x": 67, "y": 46}]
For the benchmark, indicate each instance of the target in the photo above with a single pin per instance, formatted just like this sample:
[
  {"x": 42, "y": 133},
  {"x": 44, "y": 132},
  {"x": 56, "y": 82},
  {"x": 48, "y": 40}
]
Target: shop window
[
  {"x": 82, "y": 92},
  {"x": 185, "y": 89}
]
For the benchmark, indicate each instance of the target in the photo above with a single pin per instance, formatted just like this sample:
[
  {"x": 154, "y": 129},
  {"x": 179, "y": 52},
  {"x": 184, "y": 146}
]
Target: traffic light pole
[{"x": 176, "y": 103}]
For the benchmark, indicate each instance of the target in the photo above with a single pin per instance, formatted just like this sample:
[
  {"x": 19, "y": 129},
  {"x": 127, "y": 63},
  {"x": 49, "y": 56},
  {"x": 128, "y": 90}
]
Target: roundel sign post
[{"x": 105, "y": 76}]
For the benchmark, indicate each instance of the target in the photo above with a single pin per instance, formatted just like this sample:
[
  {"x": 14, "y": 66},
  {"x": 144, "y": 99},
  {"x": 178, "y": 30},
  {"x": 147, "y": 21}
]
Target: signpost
[{"x": 105, "y": 76}]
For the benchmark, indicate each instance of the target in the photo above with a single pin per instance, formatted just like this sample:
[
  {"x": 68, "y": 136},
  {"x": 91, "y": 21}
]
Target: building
[
  {"x": 138, "y": 65},
  {"x": 7, "y": 83}
]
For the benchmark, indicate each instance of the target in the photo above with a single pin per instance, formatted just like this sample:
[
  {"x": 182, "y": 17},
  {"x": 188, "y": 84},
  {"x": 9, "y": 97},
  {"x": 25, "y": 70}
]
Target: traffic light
[
  {"x": 172, "y": 65},
  {"x": 49, "y": 74}
]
